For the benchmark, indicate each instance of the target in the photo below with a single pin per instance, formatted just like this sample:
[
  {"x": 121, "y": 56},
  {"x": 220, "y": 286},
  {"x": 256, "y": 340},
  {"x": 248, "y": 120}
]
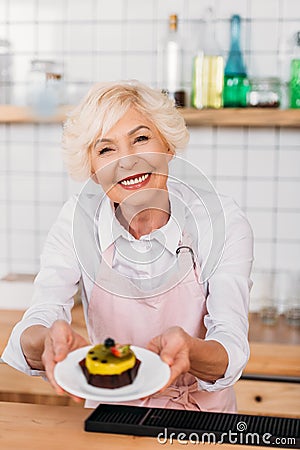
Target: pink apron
[{"x": 137, "y": 319}]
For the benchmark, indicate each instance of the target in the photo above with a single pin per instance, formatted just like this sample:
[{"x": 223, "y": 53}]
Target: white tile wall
[
  {"x": 287, "y": 256},
  {"x": 112, "y": 10},
  {"x": 202, "y": 158},
  {"x": 79, "y": 10},
  {"x": 20, "y": 11},
  {"x": 3, "y": 187},
  {"x": 289, "y": 162},
  {"x": 51, "y": 38},
  {"x": 291, "y": 9},
  {"x": 22, "y": 246},
  {"x": 226, "y": 9},
  {"x": 289, "y": 226},
  {"x": 288, "y": 194},
  {"x": 225, "y": 168},
  {"x": 49, "y": 159},
  {"x": 22, "y": 217},
  {"x": 268, "y": 9},
  {"x": 261, "y": 163},
  {"x": 3, "y": 218},
  {"x": 22, "y": 188},
  {"x": 109, "y": 40},
  {"x": 233, "y": 188},
  {"x": 50, "y": 188},
  {"x": 22, "y": 156},
  {"x": 50, "y": 11},
  {"x": 262, "y": 224},
  {"x": 46, "y": 216},
  {"x": 137, "y": 10},
  {"x": 260, "y": 194}
]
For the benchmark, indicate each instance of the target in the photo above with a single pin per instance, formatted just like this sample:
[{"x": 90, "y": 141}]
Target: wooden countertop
[
  {"x": 279, "y": 333},
  {"x": 36, "y": 427}
]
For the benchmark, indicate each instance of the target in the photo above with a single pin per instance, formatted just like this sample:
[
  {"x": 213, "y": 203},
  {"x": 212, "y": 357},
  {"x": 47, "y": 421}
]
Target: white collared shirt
[{"x": 225, "y": 255}]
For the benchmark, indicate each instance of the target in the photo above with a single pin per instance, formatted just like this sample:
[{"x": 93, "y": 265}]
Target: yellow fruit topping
[{"x": 101, "y": 361}]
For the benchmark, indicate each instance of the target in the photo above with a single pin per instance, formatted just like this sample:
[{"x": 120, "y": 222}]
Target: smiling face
[{"x": 131, "y": 161}]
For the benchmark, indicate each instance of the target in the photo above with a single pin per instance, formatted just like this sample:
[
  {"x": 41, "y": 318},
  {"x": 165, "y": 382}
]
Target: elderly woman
[{"x": 137, "y": 241}]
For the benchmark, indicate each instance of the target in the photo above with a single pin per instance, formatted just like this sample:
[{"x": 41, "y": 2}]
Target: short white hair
[{"x": 103, "y": 106}]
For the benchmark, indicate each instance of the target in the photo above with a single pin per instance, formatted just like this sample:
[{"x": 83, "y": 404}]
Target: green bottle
[
  {"x": 294, "y": 87},
  {"x": 236, "y": 83}
]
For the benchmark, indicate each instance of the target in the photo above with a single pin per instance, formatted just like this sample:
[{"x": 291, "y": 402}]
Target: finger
[
  {"x": 74, "y": 397},
  {"x": 164, "y": 351},
  {"x": 61, "y": 337},
  {"x": 154, "y": 345},
  {"x": 49, "y": 367},
  {"x": 173, "y": 345},
  {"x": 58, "y": 389},
  {"x": 176, "y": 370},
  {"x": 49, "y": 364},
  {"x": 167, "y": 354},
  {"x": 77, "y": 399}
]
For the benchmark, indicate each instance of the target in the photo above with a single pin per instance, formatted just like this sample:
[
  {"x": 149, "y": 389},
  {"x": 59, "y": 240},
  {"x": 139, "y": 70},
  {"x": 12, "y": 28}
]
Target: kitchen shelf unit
[{"x": 227, "y": 117}]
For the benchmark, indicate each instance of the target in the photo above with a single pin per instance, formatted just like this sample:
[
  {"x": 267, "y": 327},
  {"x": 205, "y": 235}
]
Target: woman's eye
[
  {"x": 141, "y": 138},
  {"x": 105, "y": 150}
]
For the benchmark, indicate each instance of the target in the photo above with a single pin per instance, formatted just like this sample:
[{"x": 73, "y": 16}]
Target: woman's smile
[{"x": 135, "y": 181}]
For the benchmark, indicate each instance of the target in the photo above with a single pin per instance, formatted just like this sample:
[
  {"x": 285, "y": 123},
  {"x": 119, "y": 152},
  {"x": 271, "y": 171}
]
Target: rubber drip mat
[{"x": 169, "y": 425}]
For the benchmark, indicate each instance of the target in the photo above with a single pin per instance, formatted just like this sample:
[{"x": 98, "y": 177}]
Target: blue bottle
[{"x": 236, "y": 83}]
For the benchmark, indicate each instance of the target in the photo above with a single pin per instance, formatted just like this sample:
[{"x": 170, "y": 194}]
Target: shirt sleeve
[
  {"x": 54, "y": 287},
  {"x": 228, "y": 292}
]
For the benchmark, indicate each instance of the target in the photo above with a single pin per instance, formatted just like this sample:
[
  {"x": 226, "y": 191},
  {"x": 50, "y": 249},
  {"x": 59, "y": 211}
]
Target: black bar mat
[{"x": 169, "y": 425}]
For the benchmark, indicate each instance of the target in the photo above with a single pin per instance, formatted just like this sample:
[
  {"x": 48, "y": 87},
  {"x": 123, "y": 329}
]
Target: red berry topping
[{"x": 120, "y": 350}]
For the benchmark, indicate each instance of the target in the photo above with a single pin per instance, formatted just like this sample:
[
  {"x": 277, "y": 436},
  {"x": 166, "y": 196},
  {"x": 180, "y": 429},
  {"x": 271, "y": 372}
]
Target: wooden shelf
[
  {"x": 23, "y": 114},
  {"x": 227, "y": 117},
  {"x": 239, "y": 117}
]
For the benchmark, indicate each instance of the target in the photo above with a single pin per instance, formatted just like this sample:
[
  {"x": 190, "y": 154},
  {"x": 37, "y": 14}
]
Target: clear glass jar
[
  {"x": 264, "y": 92},
  {"x": 44, "y": 92},
  {"x": 5, "y": 71}
]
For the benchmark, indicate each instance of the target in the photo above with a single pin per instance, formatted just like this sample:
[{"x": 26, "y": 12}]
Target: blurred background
[{"x": 82, "y": 42}]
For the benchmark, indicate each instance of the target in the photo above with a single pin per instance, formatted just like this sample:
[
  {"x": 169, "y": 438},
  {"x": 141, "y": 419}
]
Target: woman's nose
[{"x": 128, "y": 162}]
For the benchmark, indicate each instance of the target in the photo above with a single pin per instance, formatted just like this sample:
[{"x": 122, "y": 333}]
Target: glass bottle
[
  {"x": 44, "y": 92},
  {"x": 208, "y": 71},
  {"x": 294, "y": 85},
  {"x": 236, "y": 83},
  {"x": 171, "y": 62},
  {"x": 5, "y": 71}
]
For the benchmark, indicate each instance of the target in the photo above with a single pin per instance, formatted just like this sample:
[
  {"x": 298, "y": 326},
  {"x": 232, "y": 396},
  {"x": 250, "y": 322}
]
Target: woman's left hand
[{"x": 173, "y": 346}]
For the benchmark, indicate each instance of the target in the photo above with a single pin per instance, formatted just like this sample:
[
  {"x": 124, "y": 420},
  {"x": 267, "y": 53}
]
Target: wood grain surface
[
  {"x": 225, "y": 117},
  {"x": 36, "y": 427}
]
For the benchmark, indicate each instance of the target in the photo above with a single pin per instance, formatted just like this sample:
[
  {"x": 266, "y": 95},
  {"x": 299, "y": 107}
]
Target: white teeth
[{"x": 135, "y": 180}]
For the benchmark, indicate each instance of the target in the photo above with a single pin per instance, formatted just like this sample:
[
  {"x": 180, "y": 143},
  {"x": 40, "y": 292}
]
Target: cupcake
[{"x": 110, "y": 365}]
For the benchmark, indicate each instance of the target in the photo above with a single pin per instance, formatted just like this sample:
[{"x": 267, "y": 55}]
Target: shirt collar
[{"x": 169, "y": 236}]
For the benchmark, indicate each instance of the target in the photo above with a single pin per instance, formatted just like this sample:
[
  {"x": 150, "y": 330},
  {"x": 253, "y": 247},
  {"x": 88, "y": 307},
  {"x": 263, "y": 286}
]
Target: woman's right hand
[{"x": 60, "y": 340}]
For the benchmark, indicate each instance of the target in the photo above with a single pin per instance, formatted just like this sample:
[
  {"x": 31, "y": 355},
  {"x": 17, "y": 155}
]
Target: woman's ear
[
  {"x": 171, "y": 154},
  {"x": 94, "y": 177}
]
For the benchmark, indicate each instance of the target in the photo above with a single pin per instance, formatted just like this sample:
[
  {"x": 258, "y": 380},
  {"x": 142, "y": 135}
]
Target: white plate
[{"x": 153, "y": 374}]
